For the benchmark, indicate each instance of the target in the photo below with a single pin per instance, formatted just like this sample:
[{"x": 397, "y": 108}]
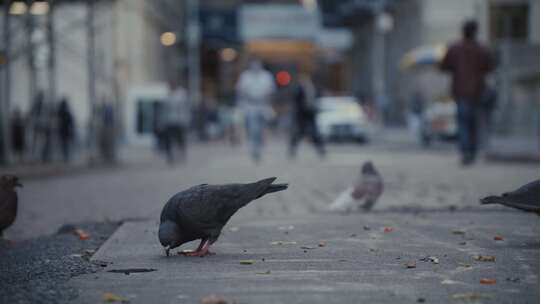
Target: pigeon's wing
[
  {"x": 8, "y": 208},
  {"x": 209, "y": 207},
  {"x": 525, "y": 198},
  {"x": 359, "y": 191},
  {"x": 343, "y": 202},
  {"x": 373, "y": 186},
  {"x": 205, "y": 209},
  {"x": 531, "y": 207},
  {"x": 529, "y": 192}
]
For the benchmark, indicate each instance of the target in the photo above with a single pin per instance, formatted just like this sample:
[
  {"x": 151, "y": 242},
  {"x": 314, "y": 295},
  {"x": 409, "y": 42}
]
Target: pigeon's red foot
[{"x": 199, "y": 253}]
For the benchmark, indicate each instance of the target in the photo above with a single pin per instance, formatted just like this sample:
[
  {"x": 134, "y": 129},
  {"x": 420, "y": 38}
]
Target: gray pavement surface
[
  {"x": 359, "y": 262},
  {"x": 420, "y": 187},
  {"x": 413, "y": 178}
]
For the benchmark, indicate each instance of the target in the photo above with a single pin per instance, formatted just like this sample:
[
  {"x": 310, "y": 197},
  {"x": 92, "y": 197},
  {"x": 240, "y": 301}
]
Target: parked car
[
  {"x": 440, "y": 122},
  {"x": 341, "y": 118}
]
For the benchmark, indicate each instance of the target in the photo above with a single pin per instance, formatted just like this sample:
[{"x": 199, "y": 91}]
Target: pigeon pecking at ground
[
  {"x": 526, "y": 198},
  {"x": 8, "y": 201},
  {"x": 363, "y": 194},
  {"x": 201, "y": 212}
]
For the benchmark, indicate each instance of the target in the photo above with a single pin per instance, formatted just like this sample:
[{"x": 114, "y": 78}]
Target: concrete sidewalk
[{"x": 361, "y": 258}]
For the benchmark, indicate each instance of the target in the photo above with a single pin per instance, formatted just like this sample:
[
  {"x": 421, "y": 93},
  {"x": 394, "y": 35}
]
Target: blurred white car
[{"x": 342, "y": 118}]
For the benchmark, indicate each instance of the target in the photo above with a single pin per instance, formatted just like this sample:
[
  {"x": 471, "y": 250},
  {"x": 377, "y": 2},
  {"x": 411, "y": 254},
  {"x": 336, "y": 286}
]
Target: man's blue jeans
[
  {"x": 467, "y": 122},
  {"x": 255, "y": 125}
]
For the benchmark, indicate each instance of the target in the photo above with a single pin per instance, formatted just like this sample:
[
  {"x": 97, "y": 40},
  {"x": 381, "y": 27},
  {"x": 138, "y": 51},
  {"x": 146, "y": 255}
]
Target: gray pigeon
[
  {"x": 526, "y": 198},
  {"x": 8, "y": 201},
  {"x": 200, "y": 212},
  {"x": 363, "y": 194}
]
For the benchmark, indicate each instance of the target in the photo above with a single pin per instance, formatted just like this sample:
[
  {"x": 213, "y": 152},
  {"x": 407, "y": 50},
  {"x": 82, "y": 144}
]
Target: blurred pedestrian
[
  {"x": 304, "y": 113},
  {"x": 416, "y": 118},
  {"x": 66, "y": 128},
  {"x": 254, "y": 90},
  {"x": 40, "y": 119},
  {"x": 468, "y": 62},
  {"x": 175, "y": 121},
  {"x": 18, "y": 136}
]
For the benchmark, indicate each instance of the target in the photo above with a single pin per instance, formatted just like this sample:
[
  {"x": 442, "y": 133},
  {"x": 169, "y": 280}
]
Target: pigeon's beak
[{"x": 167, "y": 249}]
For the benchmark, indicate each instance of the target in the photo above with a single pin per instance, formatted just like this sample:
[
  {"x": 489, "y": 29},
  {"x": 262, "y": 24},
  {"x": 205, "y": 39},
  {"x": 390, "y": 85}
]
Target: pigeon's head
[
  {"x": 9, "y": 182},
  {"x": 170, "y": 236},
  {"x": 368, "y": 168}
]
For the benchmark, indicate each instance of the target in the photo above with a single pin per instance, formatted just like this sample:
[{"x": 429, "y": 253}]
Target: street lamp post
[
  {"x": 193, "y": 40},
  {"x": 5, "y": 96},
  {"x": 90, "y": 47},
  {"x": 52, "y": 52},
  {"x": 382, "y": 24}
]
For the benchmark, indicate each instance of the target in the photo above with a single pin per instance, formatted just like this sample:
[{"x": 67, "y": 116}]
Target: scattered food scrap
[
  {"x": 128, "y": 271},
  {"x": 488, "y": 281},
  {"x": 186, "y": 251},
  {"x": 388, "y": 229},
  {"x": 458, "y": 232},
  {"x": 308, "y": 247},
  {"x": 283, "y": 243},
  {"x": 83, "y": 235},
  {"x": 470, "y": 296},
  {"x": 213, "y": 300},
  {"x": 498, "y": 238},
  {"x": 247, "y": 262},
  {"x": 431, "y": 259},
  {"x": 112, "y": 298},
  {"x": 411, "y": 264},
  {"x": 322, "y": 243},
  {"x": 264, "y": 272},
  {"x": 485, "y": 258}
]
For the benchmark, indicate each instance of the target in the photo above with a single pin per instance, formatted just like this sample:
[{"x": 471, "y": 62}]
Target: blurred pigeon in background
[
  {"x": 201, "y": 212},
  {"x": 526, "y": 198},
  {"x": 363, "y": 194},
  {"x": 8, "y": 201}
]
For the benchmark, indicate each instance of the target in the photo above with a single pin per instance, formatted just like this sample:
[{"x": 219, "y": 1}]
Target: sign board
[
  {"x": 281, "y": 21},
  {"x": 335, "y": 38}
]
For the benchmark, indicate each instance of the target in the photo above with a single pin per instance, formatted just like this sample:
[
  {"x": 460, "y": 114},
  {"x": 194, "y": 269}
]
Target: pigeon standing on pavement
[
  {"x": 363, "y": 194},
  {"x": 526, "y": 198},
  {"x": 201, "y": 212},
  {"x": 8, "y": 201}
]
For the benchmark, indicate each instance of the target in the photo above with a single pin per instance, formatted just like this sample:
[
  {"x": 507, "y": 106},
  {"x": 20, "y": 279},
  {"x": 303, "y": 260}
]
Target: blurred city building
[
  {"x": 385, "y": 31},
  {"x": 128, "y": 52}
]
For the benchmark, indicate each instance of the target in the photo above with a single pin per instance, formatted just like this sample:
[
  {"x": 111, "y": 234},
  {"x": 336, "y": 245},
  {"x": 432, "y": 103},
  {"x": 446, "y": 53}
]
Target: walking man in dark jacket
[
  {"x": 468, "y": 62},
  {"x": 305, "y": 110}
]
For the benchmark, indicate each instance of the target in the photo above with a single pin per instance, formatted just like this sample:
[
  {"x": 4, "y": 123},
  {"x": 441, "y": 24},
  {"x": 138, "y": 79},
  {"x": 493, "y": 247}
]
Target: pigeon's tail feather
[
  {"x": 491, "y": 200},
  {"x": 265, "y": 186},
  {"x": 276, "y": 188}
]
